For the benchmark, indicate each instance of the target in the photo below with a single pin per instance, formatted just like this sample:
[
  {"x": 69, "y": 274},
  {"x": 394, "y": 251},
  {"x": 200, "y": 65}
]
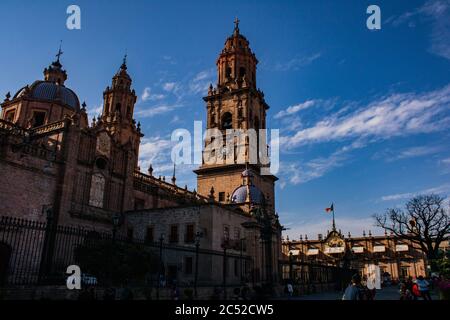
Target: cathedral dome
[
  {"x": 240, "y": 195},
  {"x": 48, "y": 91}
]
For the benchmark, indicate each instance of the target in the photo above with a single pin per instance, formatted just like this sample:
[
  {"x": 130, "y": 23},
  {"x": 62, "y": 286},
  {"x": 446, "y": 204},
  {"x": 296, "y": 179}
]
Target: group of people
[
  {"x": 359, "y": 289},
  {"x": 413, "y": 290},
  {"x": 409, "y": 289}
]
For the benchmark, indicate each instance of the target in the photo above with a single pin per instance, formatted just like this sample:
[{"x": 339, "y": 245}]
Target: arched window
[
  {"x": 97, "y": 191},
  {"x": 241, "y": 72},
  {"x": 118, "y": 107},
  {"x": 38, "y": 118},
  {"x": 227, "y": 121},
  {"x": 228, "y": 72}
]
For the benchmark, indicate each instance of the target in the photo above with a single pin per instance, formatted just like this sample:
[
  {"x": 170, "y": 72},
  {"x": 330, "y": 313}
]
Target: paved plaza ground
[{"x": 387, "y": 293}]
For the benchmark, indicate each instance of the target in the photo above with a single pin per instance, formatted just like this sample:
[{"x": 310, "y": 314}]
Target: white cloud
[
  {"x": 395, "y": 115},
  {"x": 294, "y": 109},
  {"x": 412, "y": 152},
  {"x": 301, "y": 172},
  {"x": 169, "y": 86},
  {"x": 437, "y": 11},
  {"x": 199, "y": 84},
  {"x": 439, "y": 190},
  {"x": 297, "y": 62},
  {"x": 149, "y": 112},
  {"x": 147, "y": 95},
  {"x": 418, "y": 152},
  {"x": 94, "y": 111},
  {"x": 157, "y": 152}
]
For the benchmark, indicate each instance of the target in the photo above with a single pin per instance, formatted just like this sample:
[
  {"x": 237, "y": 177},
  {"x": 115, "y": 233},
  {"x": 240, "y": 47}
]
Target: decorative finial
[
  {"x": 236, "y": 24},
  {"x": 124, "y": 62},
  {"x": 174, "y": 179},
  {"x": 58, "y": 55},
  {"x": 7, "y": 96},
  {"x": 150, "y": 170}
]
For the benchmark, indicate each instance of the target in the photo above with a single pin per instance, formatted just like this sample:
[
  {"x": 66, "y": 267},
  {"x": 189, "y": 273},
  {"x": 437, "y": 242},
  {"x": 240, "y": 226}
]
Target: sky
[{"x": 364, "y": 115}]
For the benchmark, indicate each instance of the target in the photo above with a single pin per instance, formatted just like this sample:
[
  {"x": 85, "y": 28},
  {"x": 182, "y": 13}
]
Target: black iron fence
[
  {"x": 33, "y": 253},
  {"x": 310, "y": 274}
]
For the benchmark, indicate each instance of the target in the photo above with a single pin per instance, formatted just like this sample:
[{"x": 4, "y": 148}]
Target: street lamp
[
  {"x": 198, "y": 235},
  {"x": 161, "y": 240}
]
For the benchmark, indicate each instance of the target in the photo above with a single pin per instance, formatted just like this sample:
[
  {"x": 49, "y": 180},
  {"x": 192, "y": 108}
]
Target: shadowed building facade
[{"x": 59, "y": 167}]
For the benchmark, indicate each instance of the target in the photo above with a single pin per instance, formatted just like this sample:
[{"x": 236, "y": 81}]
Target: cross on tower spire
[
  {"x": 124, "y": 62},
  {"x": 236, "y": 24},
  {"x": 58, "y": 55}
]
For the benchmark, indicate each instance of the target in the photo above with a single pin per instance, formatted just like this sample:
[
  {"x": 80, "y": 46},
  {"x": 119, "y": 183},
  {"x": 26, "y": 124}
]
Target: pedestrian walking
[
  {"x": 424, "y": 288},
  {"x": 290, "y": 290},
  {"x": 354, "y": 291},
  {"x": 405, "y": 293}
]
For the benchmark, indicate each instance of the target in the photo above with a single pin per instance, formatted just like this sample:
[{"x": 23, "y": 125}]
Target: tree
[{"x": 425, "y": 222}]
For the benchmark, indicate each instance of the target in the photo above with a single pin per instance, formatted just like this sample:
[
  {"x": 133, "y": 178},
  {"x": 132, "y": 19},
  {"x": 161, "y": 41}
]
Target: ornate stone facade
[{"x": 53, "y": 161}]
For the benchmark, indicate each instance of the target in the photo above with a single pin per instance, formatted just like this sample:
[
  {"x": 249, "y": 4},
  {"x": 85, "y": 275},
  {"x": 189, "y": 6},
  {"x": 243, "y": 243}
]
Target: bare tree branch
[{"x": 424, "y": 222}]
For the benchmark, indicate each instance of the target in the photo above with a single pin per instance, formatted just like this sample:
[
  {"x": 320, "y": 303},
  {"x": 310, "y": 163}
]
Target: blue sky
[{"x": 364, "y": 115}]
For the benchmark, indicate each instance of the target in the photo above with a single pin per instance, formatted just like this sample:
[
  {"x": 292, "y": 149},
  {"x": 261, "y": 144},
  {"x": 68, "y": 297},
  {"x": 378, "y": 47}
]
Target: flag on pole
[{"x": 330, "y": 208}]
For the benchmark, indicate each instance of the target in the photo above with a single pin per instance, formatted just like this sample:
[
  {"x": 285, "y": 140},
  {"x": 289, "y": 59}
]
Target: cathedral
[{"x": 58, "y": 166}]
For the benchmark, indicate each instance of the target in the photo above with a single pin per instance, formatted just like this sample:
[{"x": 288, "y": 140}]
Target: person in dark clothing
[{"x": 354, "y": 291}]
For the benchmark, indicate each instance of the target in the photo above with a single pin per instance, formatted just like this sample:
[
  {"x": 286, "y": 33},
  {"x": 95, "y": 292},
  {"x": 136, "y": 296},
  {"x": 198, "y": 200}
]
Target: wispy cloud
[
  {"x": 148, "y": 112},
  {"x": 199, "y": 84},
  {"x": 395, "y": 115},
  {"x": 297, "y": 62},
  {"x": 407, "y": 153},
  {"x": 157, "y": 152},
  {"x": 304, "y": 171},
  {"x": 436, "y": 11},
  {"x": 294, "y": 109},
  {"x": 439, "y": 190},
  {"x": 94, "y": 111},
  {"x": 169, "y": 86},
  {"x": 147, "y": 95}
]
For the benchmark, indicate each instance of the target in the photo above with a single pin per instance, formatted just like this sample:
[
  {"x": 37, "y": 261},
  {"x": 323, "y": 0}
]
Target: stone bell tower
[
  {"x": 118, "y": 108},
  {"x": 235, "y": 103}
]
